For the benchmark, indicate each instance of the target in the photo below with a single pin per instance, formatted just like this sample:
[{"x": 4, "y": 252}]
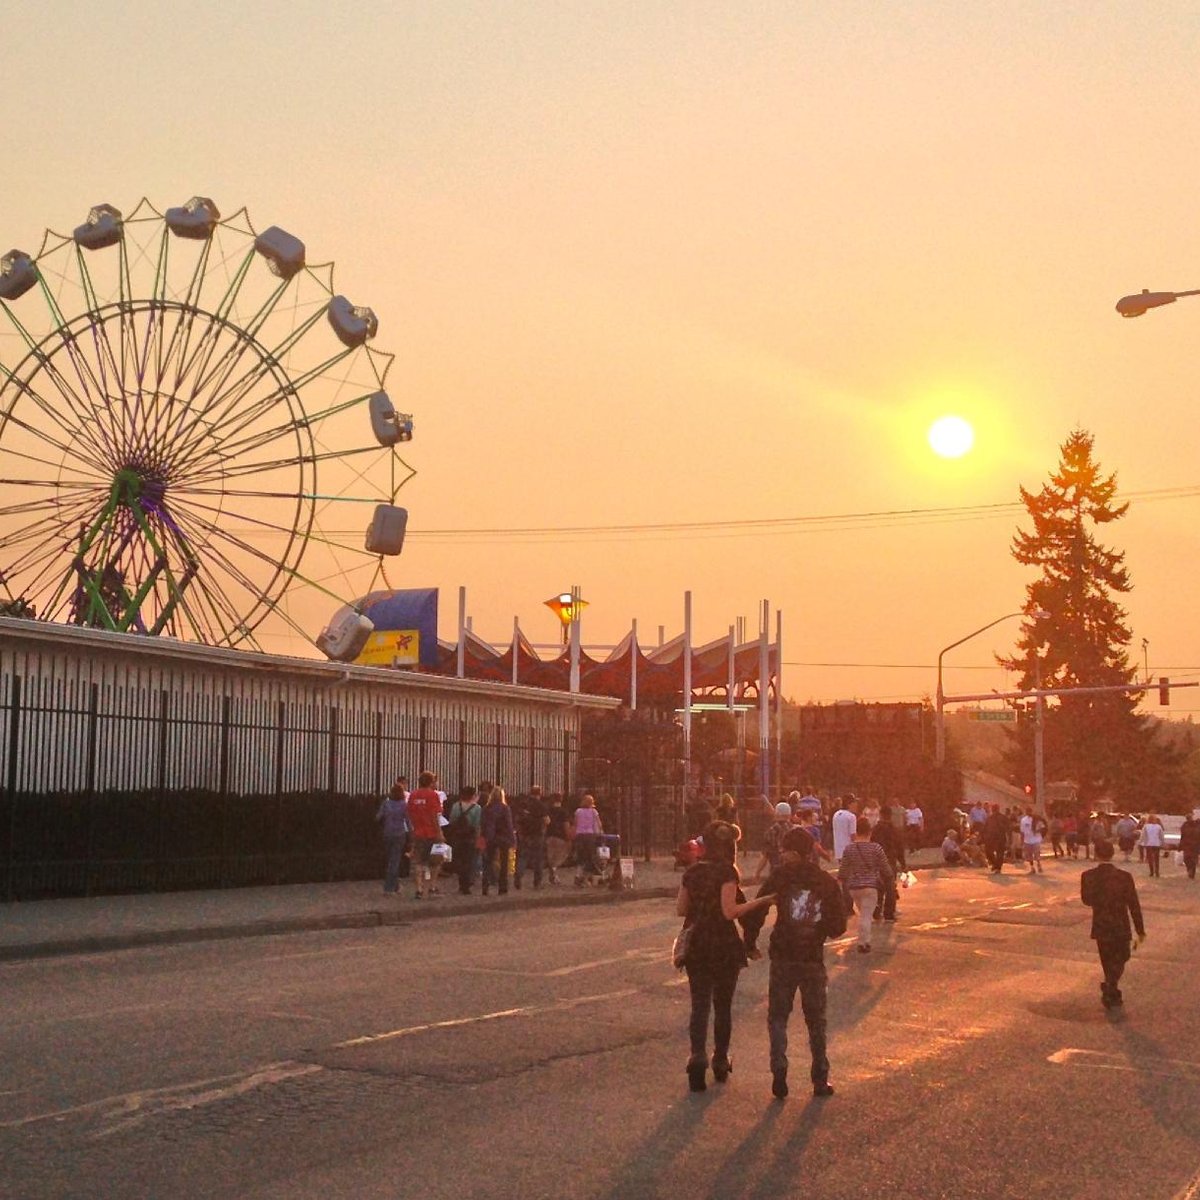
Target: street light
[
  {"x": 941, "y": 695},
  {"x": 567, "y": 607},
  {"x": 1140, "y": 302}
]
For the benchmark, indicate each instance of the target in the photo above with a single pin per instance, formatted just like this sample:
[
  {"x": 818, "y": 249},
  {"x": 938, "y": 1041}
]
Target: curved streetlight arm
[
  {"x": 941, "y": 722},
  {"x": 1138, "y": 303}
]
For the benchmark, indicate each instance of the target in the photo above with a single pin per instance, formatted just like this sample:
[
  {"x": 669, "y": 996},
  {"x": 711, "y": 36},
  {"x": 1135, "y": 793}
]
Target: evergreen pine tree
[{"x": 1097, "y": 741}]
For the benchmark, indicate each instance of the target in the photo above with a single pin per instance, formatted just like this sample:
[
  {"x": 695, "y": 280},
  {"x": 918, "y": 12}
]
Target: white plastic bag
[{"x": 906, "y": 879}]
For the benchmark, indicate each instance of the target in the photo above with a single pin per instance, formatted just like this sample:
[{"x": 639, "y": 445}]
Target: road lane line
[
  {"x": 1190, "y": 1190},
  {"x": 1099, "y": 1060},
  {"x": 180, "y": 1095},
  {"x": 648, "y": 953},
  {"x": 409, "y": 1030}
]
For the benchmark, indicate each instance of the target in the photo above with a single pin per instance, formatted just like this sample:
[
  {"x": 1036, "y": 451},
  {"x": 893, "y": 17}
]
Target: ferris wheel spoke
[
  {"x": 85, "y": 418},
  {"x": 257, "y": 468},
  {"x": 218, "y": 602},
  {"x": 226, "y": 402}
]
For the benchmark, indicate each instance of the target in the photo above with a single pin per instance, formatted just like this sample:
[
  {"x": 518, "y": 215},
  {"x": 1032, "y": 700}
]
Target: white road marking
[
  {"x": 648, "y": 954},
  {"x": 146, "y": 1103},
  {"x": 409, "y": 1030},
  {"x": 1190, "y": 1190},
  {"x": 1100, "y": 1061}
]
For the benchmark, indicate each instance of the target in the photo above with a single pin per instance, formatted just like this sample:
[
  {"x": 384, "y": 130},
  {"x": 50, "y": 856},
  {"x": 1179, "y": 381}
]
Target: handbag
[{"x": 680, "y": 947}]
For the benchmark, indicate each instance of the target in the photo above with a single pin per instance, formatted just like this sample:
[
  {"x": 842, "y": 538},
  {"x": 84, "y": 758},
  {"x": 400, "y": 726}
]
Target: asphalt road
[{"x": 540, "y": 1054}]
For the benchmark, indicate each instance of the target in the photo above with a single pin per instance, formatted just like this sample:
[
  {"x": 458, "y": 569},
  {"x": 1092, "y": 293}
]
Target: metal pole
[
  {"x": 515, "y": 640},
  {"x": 941, "y": 699},
  {"x": 1039, "y": 756},
  {"x": 730, "y": 680},
  {"x": 687, "y": 691},
  {"x": 633, "y": 657},
  {"x": 574, "y": 627},
  {"x": 779, "y": 699},
  {"x": 764, "y": 707},
  {"x": 462, "y": 632}
]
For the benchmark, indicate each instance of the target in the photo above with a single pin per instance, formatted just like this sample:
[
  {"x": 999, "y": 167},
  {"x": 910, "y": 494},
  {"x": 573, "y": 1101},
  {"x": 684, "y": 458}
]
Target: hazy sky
[{"x": 656, "y": 263}]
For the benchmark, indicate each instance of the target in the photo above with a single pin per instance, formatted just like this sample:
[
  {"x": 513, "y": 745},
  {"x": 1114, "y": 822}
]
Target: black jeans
[
  {"x": 1152, "y": 856},
  {"x": 465, "y": 860},
  {"x": 995, "y": 855},
  {"x": 785, "y": 978},
  {"x": 531, "y": 855},
  {"x": 1189, "y": 861},
  {"x": 888, "y": 895},
  {"x": 711, "y": 989},
  {"x": 1114, "y": 954}
]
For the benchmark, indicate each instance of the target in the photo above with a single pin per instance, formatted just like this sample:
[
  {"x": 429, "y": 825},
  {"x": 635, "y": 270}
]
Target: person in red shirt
[{"x": 424, "y": 813}]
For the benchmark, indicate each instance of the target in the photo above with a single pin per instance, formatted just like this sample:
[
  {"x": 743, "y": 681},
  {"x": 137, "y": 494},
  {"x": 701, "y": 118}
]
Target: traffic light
[{"x": 1164, "y": 690}]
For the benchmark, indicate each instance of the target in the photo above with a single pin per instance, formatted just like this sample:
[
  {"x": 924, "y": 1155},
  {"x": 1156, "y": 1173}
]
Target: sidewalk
[{"x": 47, "y": 928}]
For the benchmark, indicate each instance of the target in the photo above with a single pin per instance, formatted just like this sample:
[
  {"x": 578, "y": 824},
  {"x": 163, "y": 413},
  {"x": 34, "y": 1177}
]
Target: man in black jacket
[
  {"x": 886, "y": 836},
  {"x": 1112, "y": 896},
  {"x": 995, "y": 837},
  {"x": 809, "y": 909},
  {"x": 1189, "y": 843}
]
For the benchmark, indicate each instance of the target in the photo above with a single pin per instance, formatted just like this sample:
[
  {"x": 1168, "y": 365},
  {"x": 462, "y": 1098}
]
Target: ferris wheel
[{"x": 194, "y": 432}]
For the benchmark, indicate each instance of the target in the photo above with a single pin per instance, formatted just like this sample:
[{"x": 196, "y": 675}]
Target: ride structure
[{"x": 191, "y": 423}]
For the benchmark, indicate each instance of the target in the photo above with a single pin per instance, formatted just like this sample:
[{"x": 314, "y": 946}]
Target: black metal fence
[{"x": 111, "y": 789}]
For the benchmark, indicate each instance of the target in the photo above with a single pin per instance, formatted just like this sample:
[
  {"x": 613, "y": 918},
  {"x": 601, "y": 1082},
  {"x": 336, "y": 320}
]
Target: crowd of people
[
  {"x": 867, "y": 848},
  {"x": 481, "y": 836}
]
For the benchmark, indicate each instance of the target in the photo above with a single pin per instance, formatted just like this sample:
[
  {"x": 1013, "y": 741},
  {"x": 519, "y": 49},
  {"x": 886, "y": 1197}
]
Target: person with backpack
[
  {"x": 773, "y": 840},
  {"x": 466, "y": 821},
  {"x": 808, "y": 910},
  {"x": 531, "y": 818}
]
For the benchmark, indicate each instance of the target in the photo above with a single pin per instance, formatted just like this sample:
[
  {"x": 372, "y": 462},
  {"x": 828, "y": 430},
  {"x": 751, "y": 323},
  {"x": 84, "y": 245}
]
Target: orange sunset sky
[{"x": 653, "y": 264}]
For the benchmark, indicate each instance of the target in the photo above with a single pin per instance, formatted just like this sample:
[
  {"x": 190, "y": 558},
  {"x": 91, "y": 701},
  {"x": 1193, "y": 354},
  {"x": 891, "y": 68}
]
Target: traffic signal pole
[{"x": 1038, "y": 695}]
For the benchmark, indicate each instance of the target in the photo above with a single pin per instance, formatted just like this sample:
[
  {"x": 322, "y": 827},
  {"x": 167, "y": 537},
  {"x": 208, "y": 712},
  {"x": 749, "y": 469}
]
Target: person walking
[
  {"x": 914, "y": 826},
  {"x": 424, "y": 819},
  {"x": 1127, "y": 836},
  {"x": 1152, "y": 836},
  {"x": 393, "y": 813},
  {"x": 884, "y": 835},
  {"x": 773, "y": 839},
  {"x": 710, "y": 900},
  {"x": 809, "y": 909},
  {"x": 1071, "y": 835},
  {"x": 588, "y": 828},
  {"x": 1112, "y": 896},
  {"x": 843, "y": 822},
  {"x": 1031, "y": 842},
  {"x": 1189, "y": 843},
  {"x": 864, "y": 871},
  {"x": 995, "y": 839},
  {"x": 499, "y": 838},
  {"x": 531, "y": 837},
  {"x": 1056, "y": 836},
  {"x": 1083, "y": 834},
  {"x": 463, "y": 834},
  {"x": 558, "y": 836}
]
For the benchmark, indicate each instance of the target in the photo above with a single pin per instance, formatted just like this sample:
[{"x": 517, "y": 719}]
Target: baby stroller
[{"x": 607, "y": 863}]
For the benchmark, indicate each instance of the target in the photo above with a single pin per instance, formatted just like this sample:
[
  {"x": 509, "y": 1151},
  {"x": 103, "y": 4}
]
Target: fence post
[
  {"x": 10, "y": 784},
  {"x": 280, "y": 727},
  {"x": 223, "y": 785},
  {"x": 89, "y": 787}
]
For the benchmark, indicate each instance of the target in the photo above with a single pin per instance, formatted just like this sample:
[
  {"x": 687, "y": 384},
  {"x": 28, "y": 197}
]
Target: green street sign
[{"x": 1006, "y": 716}]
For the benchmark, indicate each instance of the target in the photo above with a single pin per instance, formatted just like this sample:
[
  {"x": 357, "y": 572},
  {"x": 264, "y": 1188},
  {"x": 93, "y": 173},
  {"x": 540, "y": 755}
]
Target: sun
[{"x": 951, "y": 437}]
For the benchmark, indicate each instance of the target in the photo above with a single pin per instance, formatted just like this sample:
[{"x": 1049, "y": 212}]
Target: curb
[{"x": 370, "y": 919}]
